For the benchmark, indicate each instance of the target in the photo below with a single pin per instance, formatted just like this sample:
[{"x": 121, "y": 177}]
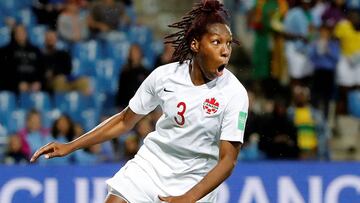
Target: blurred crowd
[
  {"x": 305, "y": 77},
  {"x": 67, "y": 65}
]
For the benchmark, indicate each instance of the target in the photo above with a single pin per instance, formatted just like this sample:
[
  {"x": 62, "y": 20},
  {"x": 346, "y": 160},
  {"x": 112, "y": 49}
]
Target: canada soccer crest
[{"x": 210, "y": 106}]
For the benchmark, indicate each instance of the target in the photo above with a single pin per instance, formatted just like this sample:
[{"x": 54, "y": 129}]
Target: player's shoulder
[
  {"x": 231, "y": 85},
  {"x": 166, "y": 69}
]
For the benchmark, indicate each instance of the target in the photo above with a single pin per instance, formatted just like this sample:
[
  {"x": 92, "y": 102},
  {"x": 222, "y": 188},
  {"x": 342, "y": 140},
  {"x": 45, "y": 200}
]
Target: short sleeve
[
  {"x": 234, "y": 120},
  {"x": 145, "y": 99}
]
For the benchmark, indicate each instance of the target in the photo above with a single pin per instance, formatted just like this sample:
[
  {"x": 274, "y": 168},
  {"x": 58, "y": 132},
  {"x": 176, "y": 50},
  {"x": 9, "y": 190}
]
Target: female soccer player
[{"x": 197, "y": 139}]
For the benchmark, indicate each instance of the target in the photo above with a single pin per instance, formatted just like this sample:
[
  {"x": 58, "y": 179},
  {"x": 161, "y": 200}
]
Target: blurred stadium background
[{"x": 66, "y": 65}]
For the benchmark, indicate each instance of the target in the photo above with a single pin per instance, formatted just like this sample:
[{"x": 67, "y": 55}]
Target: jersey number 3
[{"x": 180, "y": 119}]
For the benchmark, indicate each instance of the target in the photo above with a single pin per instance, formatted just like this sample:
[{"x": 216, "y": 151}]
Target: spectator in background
[
  {"x": 62, "y": 131},
  {"x": 348, "y": 69},
  {"x": 72, "y": 26},
  {"x": 132, "y": 75},
  {"x": 165, "y": 56},
  {"x": 278, "y": 66},
  {"x": 129, "y": 144},
  {"x": 7, "y": 73},
  {"x": 13, "y": 154},
  {"x": 250, "y": 150},
  {"x": 312, "y": 132},
  {"x": 318, "y": 10},
  {"x": 260, "y": 22},
  {"x": 23, "y": 63},
  {"x": 87, "y": 156},
  {"x": 34, "y": 134},
  {"x": 47, "y": 11},
  {"x": 131, "y": 147},
  {"x": 298, "y": 29},
  {"x": 105, "y": 16},
  {"x": 145, "y": 126},
  {"x": 278, "y": 138},
  {"x": 334, "y": 13},
  {"x": 58, "y": 67},
  {"x": 324, "y": 55}
]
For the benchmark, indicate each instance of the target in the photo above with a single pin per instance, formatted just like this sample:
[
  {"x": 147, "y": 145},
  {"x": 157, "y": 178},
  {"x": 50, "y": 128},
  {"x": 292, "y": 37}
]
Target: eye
[
  {"x": 229, "y": 43},
  {"x": 215, "y": 42}
]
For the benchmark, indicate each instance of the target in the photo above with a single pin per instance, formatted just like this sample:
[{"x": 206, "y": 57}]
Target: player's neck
[{"x": 196, "y": 75}]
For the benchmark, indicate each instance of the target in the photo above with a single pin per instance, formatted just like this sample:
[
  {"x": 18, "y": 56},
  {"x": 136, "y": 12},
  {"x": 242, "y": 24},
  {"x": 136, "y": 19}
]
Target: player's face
[{"x": 214, "y": 50}]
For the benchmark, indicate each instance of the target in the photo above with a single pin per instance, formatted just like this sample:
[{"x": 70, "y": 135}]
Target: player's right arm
[{"x": 107, "y": 130}]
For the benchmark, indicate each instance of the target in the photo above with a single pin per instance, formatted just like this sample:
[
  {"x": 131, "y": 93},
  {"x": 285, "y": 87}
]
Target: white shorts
[
  {"x": 298, "y": 63},
  {"x": 112, "y": 191},
  {"x": 347, "y": 75},
  {"x": 125, "y": 184}
]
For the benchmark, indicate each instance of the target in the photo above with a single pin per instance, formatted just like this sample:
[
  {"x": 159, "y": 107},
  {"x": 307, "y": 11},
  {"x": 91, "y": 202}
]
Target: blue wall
[{"x": 258, "y": 182}]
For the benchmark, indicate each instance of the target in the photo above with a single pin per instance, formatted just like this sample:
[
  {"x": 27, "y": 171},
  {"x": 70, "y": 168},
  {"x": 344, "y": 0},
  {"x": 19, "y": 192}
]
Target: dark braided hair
[{"x": 194, "y": 25}]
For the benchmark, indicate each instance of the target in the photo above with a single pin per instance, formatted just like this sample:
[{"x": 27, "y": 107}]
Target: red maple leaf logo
[{"x": 210, "y": 105}]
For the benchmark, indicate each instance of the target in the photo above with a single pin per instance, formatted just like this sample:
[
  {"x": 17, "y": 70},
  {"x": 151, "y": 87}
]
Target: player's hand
[
  {"x": 177, "y": 199},
  {"x": 51, "y": 150}
]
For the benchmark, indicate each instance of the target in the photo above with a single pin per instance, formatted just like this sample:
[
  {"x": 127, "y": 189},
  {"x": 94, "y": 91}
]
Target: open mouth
[{"x": 221, "y": 68}]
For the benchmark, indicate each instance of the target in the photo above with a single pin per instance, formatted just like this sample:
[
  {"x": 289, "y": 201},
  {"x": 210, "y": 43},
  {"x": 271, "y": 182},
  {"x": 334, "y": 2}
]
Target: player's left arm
[{"x": 228, "y": 158}]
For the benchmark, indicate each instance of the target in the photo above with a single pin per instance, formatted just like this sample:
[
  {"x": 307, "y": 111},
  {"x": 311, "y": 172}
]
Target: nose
[{"x": 225, "y": 51}]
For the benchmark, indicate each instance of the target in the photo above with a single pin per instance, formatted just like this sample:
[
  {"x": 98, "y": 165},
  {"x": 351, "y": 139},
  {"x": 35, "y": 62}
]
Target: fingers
[{"x": 48, "y": 150}]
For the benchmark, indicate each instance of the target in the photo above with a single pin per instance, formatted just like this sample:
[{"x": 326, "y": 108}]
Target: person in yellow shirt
[
  {"x": 348, "y": 69},
  {"x": 312, "y": 132}
]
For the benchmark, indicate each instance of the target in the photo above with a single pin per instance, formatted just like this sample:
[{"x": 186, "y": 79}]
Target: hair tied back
[{"x": 211, "y": 6}]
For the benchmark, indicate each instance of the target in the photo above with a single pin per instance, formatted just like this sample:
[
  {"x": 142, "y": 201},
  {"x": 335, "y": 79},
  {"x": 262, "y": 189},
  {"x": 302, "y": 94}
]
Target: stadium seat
[
  {"x": 3, "y": 140},
  {"x": 89, "y": 50},
  {"x": 83, "y": 67},
  {"x": 5, "y": 36},
  {"x": 140, "y": 34},
  {"x": 9, "y": 7},
  {"x": 7, "y": 104},
  {"x": 62, "y": 45},
  {"x": 3, "y": 132},
  {"x": 7, "y": 100},
  {"x": 26, "y": 17},
  {"x": 143, "y": 36},
  {"x": 149, "y": 56},
  {"x": 16, "y": 120},
  {"x": 2, "y": 19},
  {"x": 15, "y": 5},
  {"x": 49, "y": 116},
  {"x": 35, "y": 100},
  {"x": 354, "y": 103},
  {"x": 130, "y": 11},
  {"x": 74, "y": 103},
  {"x": 118, "y": 50},
  {"x": 89, "y": 118},
  {"x": 106, "y": 78},
  {"x": 37, "y": 35},
  {"x": 69, "y": 101},
  {"x": 84, "y": 56}
]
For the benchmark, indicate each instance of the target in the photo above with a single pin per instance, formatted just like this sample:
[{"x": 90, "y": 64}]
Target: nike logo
[{"x": 166, "y": 90}]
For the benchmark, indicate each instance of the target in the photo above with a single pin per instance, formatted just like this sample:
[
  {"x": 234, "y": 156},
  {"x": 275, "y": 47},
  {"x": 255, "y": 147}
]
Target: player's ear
[{"x": 194, "y": 45}]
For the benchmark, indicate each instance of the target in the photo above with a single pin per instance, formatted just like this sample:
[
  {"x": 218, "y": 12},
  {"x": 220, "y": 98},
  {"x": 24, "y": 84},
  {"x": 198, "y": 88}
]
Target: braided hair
[{"x": 194, "y": 25}]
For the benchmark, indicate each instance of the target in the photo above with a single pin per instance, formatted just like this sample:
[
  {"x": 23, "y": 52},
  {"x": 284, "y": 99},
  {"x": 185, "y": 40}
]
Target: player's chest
[{"x": 190, "y": 106}]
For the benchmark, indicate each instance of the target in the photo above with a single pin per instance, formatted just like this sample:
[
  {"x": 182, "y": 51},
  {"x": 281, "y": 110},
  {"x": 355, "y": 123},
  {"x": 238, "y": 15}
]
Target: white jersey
[{"x": 185, "y": 145}]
